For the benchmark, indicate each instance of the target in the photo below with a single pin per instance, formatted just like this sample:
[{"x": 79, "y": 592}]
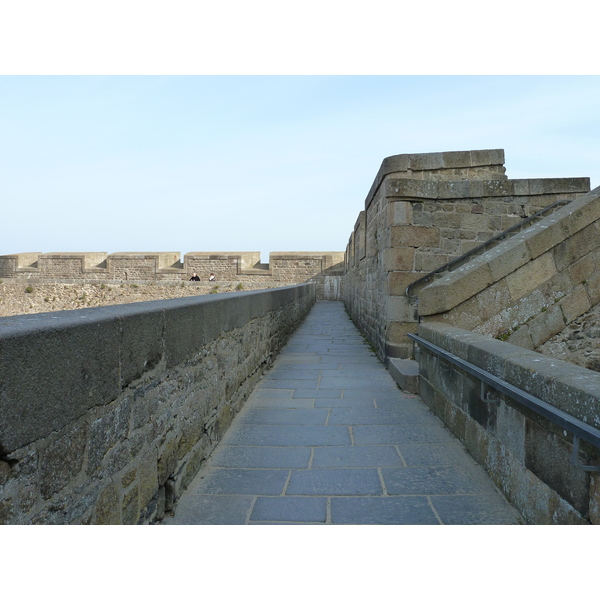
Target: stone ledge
[{"x": 405, "y": 372}]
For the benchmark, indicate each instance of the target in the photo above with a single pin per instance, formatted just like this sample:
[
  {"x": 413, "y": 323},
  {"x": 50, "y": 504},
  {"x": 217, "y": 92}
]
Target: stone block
[
  {"x": 427, "y": 162},
  {"x": 148, "y": 479},
  {"x": 397, "y": 332},
  {"x": 487, "y": 157},
  {"x": 576, "y": 246},
  {"x": 400, "y": 308},
  {"x": 575, "y": 304},
  {"x": 108, "y": 507},
  {"x": 584, "y": 268},
  {"x": 549, "y": 457},
  {"x": 398, "y": 281},
  {"x": 411, "y": 188},
  {"x": 426, "y": 262},
  {"x": 62, "y": 461},
  {"x": 405, "y": 373},
  {"x": 456, "y": 160},
  {"x": 594, "y": 509},
  {"x": 538, "y": 330},
  {"x": 455, "y": 287},
  {"x": 107, "y": 433},
  {"x": 592, "y": 287},
  {"x": 450, "y": 220},
  {"x": 72, "y": 366},
  {"x": 400, "y": 213},
  {"x": 415, "y": 236},
  {"x": 4, "y": 472},
  {"x": 399, "y": 259},
  {"x": 141, "y": 340},
  {"x": 507, "y": 258},
  {"x": 451, "y": 190},
  {"x": 7, "y": 511},
  {"x": 531, "y": 276},
  {"x": 498, "y": 187},
  {"x": 522, "y": 338}
]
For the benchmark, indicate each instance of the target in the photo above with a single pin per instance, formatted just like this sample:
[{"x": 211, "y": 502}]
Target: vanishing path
[{"x": 328, "y": 438}]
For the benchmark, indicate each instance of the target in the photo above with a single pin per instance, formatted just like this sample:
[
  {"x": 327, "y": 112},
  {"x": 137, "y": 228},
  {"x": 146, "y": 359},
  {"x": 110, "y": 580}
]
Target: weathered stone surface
[
  {"x": 108, "y": 507},
  {"x": 62, "y": 461},
  {"x": 105, "y": 467},
  {"x": 526, "y": 279}
]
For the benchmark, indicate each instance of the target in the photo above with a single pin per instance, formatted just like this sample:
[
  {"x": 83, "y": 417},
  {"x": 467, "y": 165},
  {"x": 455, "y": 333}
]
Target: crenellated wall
[
  {"x": 107, "y": 413},
  {"x": 284, "y": 268}
]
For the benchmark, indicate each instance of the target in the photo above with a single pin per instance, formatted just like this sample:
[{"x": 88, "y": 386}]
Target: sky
[{"x": 185, "y": 163}]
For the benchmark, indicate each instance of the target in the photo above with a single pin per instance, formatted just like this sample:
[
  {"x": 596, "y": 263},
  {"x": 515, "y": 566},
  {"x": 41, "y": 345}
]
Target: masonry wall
[
  {"x": 284, "y": 268},
  {"x": 530, "y": 287},
  {"x": 109, "y": 412},
  {"x": 527, "y": 456},
  {"x": 422, "y": 211}
]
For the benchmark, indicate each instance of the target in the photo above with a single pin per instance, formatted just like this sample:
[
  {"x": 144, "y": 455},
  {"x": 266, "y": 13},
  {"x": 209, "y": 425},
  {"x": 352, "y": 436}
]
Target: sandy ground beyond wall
[{"x": 26, "y": 298}]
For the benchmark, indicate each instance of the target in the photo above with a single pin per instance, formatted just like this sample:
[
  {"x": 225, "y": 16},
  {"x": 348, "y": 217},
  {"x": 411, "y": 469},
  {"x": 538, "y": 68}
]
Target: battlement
[{"x": 283, "y": 267}]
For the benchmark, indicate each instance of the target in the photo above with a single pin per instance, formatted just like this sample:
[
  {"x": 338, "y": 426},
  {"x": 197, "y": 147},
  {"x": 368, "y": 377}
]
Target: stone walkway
[{"x": 328, "y": 438}]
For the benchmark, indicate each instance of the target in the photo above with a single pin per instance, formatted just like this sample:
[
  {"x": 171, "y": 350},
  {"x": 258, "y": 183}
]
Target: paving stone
[
  {"x": 317, "y": 394},
  {"x": 370, "y": 435},
  {"x": 290, "y": 508},
  {"x": 289, "y": 384},
  {"x": 411, "y": 510},
  {"x": 261, "y": 457},
  {"x": 434, "y": 454},
  {"x": 242, "y": 481},
  {"x": 378, "y": 416},
  {"x": 344, "y": 402},
  {"x": 292, "y": 375},
  {"x": 283, "y": 403},
  {"x": 484, "y": 509},
  {"x": 211, "y": 510},
  {"x": 291, "y": 416},
  {"x": 335, "y": 482},
  {"x": 382, "y": 457},
  {"x": 290, "y": 435},
  {"x": 429, "y": 481},
  {"x": 263, "y": 393},
  {"x": 356, "y": 456}
]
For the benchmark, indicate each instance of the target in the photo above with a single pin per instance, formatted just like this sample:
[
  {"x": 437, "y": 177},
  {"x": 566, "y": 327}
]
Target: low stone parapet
[
  {"x": 107, "y": 413},
  {"x": 529, "y": 457}
]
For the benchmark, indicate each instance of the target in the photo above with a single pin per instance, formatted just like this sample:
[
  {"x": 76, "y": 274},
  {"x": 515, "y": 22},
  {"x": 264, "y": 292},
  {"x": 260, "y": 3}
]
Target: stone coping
[
  {"x": 568, "y": 387},
  {"x": 55, "y": 366}
]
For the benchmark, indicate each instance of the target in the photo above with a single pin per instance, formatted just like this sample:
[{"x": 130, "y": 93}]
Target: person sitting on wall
[
  {"x": 194, "y": 277},
  {"x": 211, "y": 277}
]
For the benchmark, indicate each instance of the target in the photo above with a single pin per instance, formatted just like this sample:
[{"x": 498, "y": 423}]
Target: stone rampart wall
[
  {"x": 528, "y": 457},
  {"x": 421, "y": 212},
  {"x": 284, "y": 268},
  {"x": 530, "y": 287},
  {"x": 109, "y": 412}
]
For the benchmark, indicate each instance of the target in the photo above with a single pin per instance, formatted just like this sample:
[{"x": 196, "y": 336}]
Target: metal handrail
[
  {"x": 578, "y": 428},
  {"x": 463, "y": 258}
]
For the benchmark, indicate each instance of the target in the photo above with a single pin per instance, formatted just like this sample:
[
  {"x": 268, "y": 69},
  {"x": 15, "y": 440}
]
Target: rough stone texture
[
  {"x": 233, "y": 268},
  {"x": 76, "y": 449},
  {"x": 528, "y": 457},
  {"x": 551, "y": 286},
  {"x": 425, "y": 210}
]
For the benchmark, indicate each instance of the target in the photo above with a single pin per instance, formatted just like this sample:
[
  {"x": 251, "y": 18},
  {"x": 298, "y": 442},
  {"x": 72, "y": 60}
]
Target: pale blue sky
[{"x": 256, "y": 163}]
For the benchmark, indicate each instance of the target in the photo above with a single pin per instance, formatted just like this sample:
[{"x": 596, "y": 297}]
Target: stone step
[{"x": 405, "y": 372}]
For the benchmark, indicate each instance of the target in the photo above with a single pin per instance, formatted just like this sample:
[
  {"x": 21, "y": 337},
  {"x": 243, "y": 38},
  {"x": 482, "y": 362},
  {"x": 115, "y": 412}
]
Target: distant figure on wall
[
  {"x": 194, "y": 277},
  {"x": 211, "y": 277}
]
